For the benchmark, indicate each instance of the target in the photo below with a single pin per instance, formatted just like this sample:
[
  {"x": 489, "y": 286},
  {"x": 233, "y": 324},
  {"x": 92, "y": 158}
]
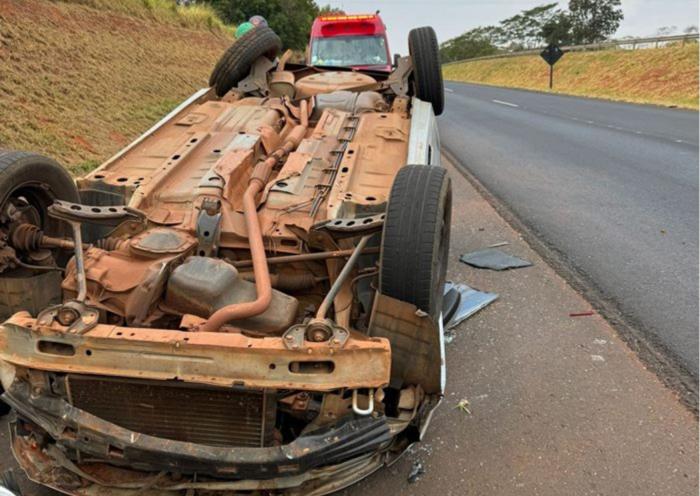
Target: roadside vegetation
[
  {"x": 195, "y": 16},
  {"x": 584, "y": 21},
  {"x": 663, "y": 76},
  {"x": 80, "y": 79},
  {"x": 290, "y": 19}
]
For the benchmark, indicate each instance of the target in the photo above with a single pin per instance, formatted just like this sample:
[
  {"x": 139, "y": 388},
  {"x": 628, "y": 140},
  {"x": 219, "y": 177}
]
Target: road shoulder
[{"x": 558, "y": 404}]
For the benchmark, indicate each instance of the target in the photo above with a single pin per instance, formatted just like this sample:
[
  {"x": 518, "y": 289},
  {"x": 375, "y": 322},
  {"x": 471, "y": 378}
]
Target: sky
[{"x": 451, "y": 18}]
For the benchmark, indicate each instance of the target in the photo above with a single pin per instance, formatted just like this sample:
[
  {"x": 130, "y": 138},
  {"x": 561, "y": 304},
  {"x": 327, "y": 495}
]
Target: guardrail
[{"x": 632, "y": 43}]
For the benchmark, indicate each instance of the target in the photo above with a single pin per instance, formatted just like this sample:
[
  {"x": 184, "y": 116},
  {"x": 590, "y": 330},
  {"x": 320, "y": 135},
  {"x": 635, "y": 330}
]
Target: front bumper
[
  {"x": 78, "y": 430},
  {"x": 78, "y": 453}
]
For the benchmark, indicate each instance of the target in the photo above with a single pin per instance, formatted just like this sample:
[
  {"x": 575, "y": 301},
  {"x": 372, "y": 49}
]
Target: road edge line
[{"x": 656, "y": 357}]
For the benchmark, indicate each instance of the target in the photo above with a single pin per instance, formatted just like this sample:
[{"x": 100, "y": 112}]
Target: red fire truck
[{"x": 358, "y": 41}]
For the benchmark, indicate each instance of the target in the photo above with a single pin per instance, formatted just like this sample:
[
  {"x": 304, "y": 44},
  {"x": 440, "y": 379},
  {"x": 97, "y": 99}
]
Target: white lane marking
[
  {"x": 505, "y": 103},
  {"x": 593, "y": 123},
  {"x": 449, "y": 90}
]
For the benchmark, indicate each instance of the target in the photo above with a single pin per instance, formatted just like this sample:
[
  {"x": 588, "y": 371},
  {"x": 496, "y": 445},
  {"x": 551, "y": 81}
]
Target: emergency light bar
[{"x": 365, "y": 17}]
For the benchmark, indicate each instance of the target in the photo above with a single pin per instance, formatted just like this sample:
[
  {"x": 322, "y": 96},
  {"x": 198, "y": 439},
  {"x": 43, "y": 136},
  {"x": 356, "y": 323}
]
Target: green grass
[
  {"x": 197, "y": 16},
  {"x": 663, "y": 76}
]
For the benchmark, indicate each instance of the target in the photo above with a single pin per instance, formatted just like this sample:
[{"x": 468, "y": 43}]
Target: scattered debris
[
  {"x": 461, "y": 302},
  {"x": 449, "y": 336},
  {"x": 600, "y": 341},
  {"x": 496, "y": 245},
  {"x": 587, "y": 313},
  {"x": 597, "y": 358},
  {"x": 463, "y": 405},
  {"x": 417, "y": 471},
  {"x": 493, "y": 259}
]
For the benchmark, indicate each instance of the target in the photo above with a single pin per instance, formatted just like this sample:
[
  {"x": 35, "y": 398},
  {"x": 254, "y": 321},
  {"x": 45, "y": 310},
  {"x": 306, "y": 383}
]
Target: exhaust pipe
[{"x": 258, "y": 180}]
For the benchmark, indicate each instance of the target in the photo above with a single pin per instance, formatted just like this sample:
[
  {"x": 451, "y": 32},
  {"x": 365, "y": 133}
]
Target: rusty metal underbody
[{"x": 216, "y": 333}]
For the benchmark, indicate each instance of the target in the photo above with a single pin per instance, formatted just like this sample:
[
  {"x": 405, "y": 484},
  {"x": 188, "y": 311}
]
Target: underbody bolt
[{"x": 66, "y": 316}]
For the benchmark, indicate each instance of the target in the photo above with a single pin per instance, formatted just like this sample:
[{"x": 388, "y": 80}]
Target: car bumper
[
  {"x": 75, "y": 452},
  {"x": 350, "y": 448}
]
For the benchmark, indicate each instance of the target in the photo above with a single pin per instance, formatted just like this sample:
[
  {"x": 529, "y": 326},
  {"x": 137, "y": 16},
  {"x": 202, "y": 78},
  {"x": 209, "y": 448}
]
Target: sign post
[{"x": 551, "y": 55}]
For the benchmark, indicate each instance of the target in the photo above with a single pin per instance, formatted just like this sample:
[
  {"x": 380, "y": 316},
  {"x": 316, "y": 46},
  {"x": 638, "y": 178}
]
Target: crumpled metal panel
[
  {"x": 493, "y": 259},
  {"x": 461, "y": 302},
  {"x": 417, "y": 347}
]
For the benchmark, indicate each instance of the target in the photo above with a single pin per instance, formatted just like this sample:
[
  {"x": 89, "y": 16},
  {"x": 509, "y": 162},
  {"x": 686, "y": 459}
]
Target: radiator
[{"x": 178, "y": 411}]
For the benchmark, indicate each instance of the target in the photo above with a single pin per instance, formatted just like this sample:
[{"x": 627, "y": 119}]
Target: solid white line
[
  {"x": 449, "y": 90},
  {"x": 505, "y": 103}
]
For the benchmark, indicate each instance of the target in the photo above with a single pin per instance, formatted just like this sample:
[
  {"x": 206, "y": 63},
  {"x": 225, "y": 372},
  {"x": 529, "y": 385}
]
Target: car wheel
[
  {"x": 427, "y": 72},
  {"x": 29, "y": 184},
  {"x": 235, "y": 64},
  {"x": 416, "y": 237}
]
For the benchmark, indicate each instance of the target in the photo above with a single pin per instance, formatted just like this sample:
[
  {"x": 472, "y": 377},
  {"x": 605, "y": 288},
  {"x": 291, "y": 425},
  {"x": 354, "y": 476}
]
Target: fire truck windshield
[{"x": 349, "y": 51}]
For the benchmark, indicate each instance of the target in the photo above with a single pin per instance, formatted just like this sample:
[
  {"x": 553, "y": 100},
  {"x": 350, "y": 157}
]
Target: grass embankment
[
  {"x": 198, "y": 16},
  {"x": 81, "y": 79},
  {"x": 662, "y": 76}
]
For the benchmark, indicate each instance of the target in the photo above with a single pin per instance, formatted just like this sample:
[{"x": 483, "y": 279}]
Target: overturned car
[{"x": 245, "y": 299}]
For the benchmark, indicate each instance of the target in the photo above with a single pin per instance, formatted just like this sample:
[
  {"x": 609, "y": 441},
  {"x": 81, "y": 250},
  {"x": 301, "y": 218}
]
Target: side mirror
[{"x": 397, "y": 56}]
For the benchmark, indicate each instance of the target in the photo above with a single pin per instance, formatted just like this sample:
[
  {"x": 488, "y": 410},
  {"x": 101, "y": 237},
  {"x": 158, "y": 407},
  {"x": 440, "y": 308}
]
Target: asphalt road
[{"x": 612, "y": 186}]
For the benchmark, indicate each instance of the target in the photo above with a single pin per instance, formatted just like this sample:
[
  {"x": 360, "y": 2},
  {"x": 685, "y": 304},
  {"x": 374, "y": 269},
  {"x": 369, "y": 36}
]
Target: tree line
[
  {"x": 291, "y": 19},
  {"x": 584, "y": 21}
]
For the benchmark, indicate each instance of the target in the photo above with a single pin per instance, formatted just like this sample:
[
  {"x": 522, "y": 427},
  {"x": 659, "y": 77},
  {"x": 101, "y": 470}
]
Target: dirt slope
[
  {"x": 663, "y": 76},
  {"x": 78, "y": 83}
]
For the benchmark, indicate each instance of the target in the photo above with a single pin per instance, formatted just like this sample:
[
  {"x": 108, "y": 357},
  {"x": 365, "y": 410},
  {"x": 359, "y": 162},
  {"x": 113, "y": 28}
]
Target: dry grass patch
[
  {"x": 78, "y": 83},
  {"x": 198, "y": 16},
  {"x": 662, "y": 76}
]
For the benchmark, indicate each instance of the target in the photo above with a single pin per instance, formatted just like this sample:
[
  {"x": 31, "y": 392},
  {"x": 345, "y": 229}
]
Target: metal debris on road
[
  {"x": 460, "y": 302},
  {"x": 496, "y": 245},
  {"x": 417, "y": 471},
  {"x": 493, "y": 259}
]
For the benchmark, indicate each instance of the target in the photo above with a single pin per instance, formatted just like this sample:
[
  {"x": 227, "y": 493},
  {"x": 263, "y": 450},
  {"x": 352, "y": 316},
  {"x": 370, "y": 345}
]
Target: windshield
[{"x": 349, "y": 51}]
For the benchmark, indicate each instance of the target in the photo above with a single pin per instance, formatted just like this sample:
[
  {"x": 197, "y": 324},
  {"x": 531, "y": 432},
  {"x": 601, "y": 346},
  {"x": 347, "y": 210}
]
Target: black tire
[
  {"x": 40, "y": 181},
  {"x": 416, "y": 238},
  {"x": 234, "y": 65},
  {"x": 427, "y": 72}
]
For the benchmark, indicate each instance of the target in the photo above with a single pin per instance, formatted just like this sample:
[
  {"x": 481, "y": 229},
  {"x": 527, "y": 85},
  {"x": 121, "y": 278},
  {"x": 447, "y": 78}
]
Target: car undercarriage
[{"x": 247, "y": 298}]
